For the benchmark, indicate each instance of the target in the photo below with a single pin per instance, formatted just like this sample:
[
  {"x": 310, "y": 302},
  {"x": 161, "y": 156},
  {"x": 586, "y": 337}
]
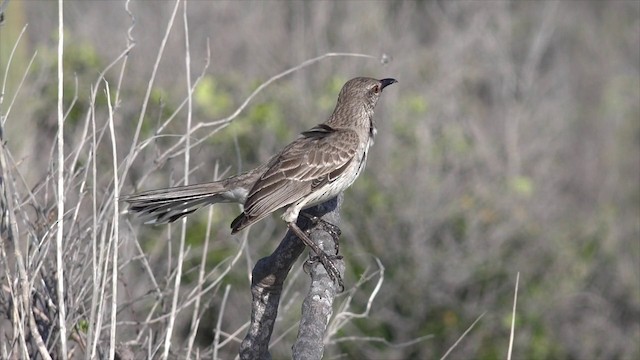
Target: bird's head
[{"x": 363, "y": 90}]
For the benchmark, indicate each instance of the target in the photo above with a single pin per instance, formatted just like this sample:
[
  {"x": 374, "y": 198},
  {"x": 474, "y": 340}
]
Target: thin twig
[
  {"x": 384, "y": 341},
  {"x": 372, "y": 296},
  {"x": 195, "y": 317},
  {"x": 462, "y": 337},
  {"x": 95, "y": 264},
  {"x": 513, "y": 317},
  {"x": 183, "y": 230},
  {"x": 4, "y": 82},
  {"x": 62, "y": 312},
  {"x": 147, "y": 95},
  {"x": 130, "y": 44},
  {"x": 116, "y": 229},
  {"x": 216, "y": 337}
]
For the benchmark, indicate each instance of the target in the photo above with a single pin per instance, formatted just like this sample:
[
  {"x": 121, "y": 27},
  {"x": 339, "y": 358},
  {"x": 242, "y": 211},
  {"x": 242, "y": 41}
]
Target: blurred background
[{"x": 510, "y": 145}]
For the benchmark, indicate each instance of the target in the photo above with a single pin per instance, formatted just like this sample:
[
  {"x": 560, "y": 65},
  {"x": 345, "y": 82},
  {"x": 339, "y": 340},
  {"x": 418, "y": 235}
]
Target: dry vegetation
[{"x": 511, "y": 144}]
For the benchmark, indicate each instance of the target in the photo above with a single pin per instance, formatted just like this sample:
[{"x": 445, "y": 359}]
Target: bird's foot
[
  {"x": 321, "y": 256},
  {"x": 328, "y": 262},
  {"x": 331, "y": 229}
]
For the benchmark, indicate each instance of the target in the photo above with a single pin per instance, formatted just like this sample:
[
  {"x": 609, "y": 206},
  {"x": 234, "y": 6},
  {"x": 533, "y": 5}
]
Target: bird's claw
[
  {"x": 328, "y": 264},
  {"x": 332, "y": 229},
  {"x": 320, "y": 256}
]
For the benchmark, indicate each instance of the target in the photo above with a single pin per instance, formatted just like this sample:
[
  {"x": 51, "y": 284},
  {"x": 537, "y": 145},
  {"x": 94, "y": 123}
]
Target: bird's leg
[
  {"x": 331, "y": 229},
  {"x": 325, "y": 259}
]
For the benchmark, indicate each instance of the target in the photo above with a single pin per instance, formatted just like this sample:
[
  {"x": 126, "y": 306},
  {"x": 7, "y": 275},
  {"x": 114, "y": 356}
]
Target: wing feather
[{"x": 318, "y": 157}]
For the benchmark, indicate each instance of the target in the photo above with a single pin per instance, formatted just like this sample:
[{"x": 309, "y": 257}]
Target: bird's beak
[{"x": 386, "y": 82}]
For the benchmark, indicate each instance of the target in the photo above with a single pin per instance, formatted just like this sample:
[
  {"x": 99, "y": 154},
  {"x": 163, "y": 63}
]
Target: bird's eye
[{"x": 376, "y": 89}]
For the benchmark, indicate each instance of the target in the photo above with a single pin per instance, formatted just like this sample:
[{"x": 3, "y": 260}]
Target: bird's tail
[{"x": 167, "y": 205}]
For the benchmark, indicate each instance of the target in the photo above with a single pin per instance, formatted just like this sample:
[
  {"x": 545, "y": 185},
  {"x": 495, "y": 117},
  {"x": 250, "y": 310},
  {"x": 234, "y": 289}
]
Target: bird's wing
[{"x": 320, "y": 156}]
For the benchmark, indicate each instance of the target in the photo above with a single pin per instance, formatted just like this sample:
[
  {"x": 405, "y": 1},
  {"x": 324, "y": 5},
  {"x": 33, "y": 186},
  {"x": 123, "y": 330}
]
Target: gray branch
[{"x": 266, "y": 287}]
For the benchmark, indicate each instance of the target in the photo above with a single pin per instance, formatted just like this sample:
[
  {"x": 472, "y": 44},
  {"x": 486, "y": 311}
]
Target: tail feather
[{"x": 168, "y": 205}]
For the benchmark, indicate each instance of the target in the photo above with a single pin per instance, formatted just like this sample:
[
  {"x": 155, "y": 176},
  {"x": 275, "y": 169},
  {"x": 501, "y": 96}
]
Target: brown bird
[{"x": 324, "y": 161}]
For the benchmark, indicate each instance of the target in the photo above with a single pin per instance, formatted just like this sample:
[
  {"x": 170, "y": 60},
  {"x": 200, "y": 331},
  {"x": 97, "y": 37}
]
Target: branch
[{"x": 266, "y": 287}]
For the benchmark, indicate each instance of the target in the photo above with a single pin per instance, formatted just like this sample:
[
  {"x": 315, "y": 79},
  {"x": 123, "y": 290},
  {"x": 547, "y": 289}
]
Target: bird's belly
[{"x": 324, "y": 193}]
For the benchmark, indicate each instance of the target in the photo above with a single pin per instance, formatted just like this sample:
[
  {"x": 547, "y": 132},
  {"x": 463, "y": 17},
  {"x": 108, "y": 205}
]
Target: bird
[{"x": 317, "y": 166}]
